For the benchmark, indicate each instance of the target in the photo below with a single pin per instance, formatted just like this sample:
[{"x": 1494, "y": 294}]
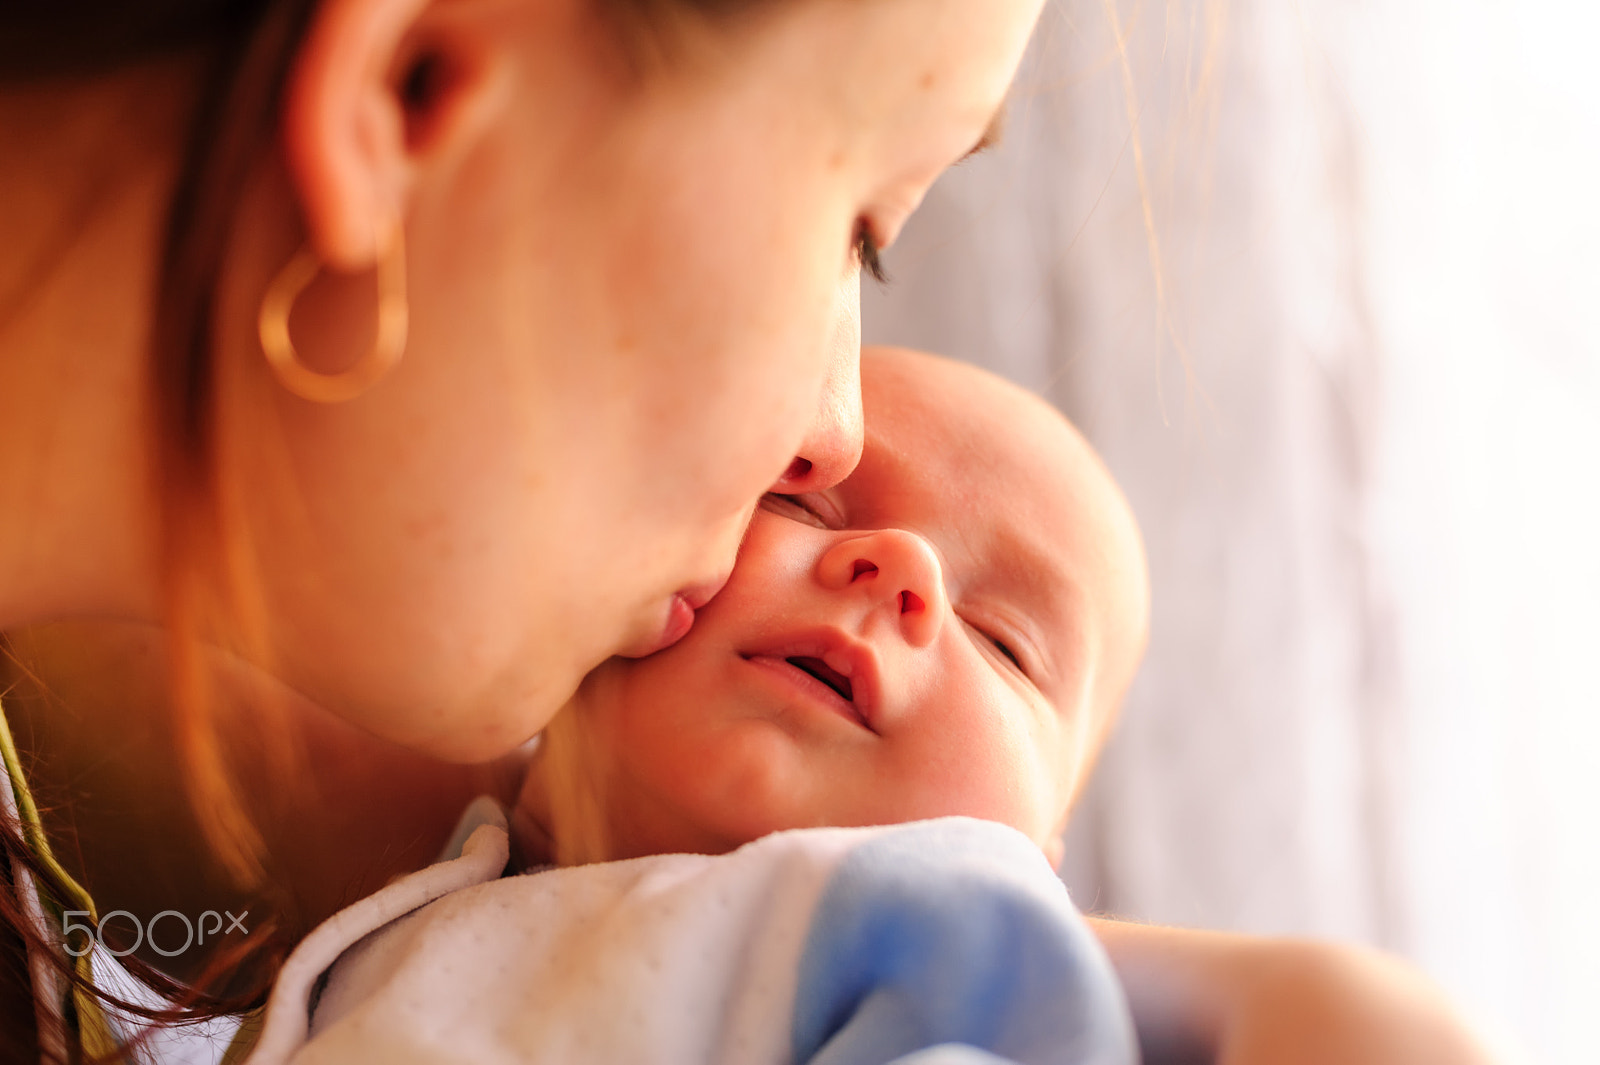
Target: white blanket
[{"x": 947, "y": 941}]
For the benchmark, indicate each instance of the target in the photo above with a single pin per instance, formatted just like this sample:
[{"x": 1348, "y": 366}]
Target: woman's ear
[{"x": 378, "y": 87}]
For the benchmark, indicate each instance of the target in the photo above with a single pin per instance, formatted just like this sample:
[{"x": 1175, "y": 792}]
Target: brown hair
[
  {"x": 19, "y": 1038},
  {"x": 249, "y": 47}
]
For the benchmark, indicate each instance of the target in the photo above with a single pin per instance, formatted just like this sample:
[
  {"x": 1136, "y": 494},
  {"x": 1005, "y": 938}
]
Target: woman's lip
[
  {"x": 679, "y": 620},
  {"x": 679, "y": 617},
  {"x": 810, "y": 687},
  {"x": 699, "y": 595}
]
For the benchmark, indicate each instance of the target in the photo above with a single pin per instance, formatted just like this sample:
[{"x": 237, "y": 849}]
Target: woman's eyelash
[{"x": 866, "y": 247}]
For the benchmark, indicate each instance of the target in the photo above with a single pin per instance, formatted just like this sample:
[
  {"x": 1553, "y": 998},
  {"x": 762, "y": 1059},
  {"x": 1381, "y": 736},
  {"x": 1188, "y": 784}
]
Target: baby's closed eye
[
  {"x": 1000, "y": 643},
  {"x": 796, "y": 508}
]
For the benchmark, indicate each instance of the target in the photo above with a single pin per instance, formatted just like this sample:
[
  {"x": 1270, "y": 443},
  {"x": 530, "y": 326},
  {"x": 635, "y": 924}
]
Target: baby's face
[{"x": 945, "y": 632}]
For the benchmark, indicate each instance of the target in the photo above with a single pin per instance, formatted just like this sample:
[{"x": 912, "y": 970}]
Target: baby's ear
[{"x": 1055, "y": 850}]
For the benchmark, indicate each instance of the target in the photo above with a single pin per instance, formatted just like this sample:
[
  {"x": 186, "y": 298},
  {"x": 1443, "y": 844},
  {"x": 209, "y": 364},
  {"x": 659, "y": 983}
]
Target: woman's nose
[
  {"x": 832, "y": 445},
  {"x": 897, "y": 573}
]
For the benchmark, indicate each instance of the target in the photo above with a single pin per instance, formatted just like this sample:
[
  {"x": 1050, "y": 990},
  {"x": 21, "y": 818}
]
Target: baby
[
  {"x": 945, "y": 635},
  {"x": 948, "y": 631}
]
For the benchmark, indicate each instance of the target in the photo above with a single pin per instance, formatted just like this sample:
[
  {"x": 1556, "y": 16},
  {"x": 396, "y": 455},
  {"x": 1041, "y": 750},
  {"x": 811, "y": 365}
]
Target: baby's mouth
[
  {"x": 829, "y": 666},
  {"x": 826, "y": 674}
]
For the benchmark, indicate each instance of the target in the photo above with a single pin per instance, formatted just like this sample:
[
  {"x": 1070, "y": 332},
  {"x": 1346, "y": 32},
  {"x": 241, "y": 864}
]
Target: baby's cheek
[
  {"x": 775, "y": 548},
  {"x": 965, "y": 779},
  {"x": 1017, "y": 780},
  {"x": 742, "y": 783}
]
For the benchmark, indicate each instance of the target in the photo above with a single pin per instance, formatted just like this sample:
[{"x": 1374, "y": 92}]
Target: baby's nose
[{"x": 898, "y": 572}]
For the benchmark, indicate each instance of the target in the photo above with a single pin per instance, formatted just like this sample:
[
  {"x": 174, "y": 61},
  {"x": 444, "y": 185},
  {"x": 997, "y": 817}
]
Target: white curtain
[{"x": 1352, "y": 388}]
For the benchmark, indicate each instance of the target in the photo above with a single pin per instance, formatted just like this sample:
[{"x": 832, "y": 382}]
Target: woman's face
[{"x": 634, "y": 303}]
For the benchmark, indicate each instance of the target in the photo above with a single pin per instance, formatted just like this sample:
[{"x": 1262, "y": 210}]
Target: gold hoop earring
[{"x": 388, "y": 345}]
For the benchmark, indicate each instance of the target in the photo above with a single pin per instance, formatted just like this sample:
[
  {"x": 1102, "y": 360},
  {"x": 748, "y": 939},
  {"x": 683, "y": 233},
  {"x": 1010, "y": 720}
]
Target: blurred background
[{"x": 1321, "y": 280}]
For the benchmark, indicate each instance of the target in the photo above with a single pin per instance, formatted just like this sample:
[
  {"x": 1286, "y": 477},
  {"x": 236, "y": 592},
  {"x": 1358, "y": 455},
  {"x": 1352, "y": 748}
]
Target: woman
[{"x": 615, "y": 246}]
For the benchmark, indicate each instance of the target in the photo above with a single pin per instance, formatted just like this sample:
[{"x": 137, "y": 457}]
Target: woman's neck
[{"x": 83, "y": 187}]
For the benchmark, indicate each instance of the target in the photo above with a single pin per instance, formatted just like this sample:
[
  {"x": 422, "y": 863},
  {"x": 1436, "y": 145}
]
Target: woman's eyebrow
[{"x": 991, "y": 134}]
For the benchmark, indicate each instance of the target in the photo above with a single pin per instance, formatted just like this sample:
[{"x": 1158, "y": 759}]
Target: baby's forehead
[
  {"x": 990, "y": 465},
  {"x": 994, "y": 453},
  {"x": 1009, "y": 490}
]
